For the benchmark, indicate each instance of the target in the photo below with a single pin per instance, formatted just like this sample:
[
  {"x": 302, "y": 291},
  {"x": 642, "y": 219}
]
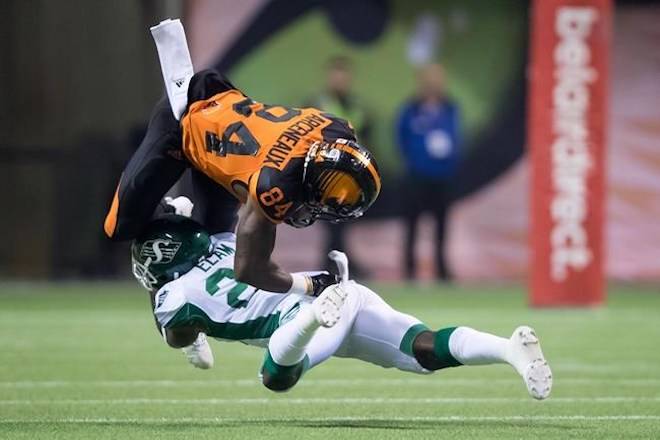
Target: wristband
[{"x": 301, "y": 284}]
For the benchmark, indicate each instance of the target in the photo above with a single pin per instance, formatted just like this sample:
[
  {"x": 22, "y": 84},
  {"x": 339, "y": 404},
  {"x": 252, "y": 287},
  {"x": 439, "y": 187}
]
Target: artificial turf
[{"x": 81, "y": 360}]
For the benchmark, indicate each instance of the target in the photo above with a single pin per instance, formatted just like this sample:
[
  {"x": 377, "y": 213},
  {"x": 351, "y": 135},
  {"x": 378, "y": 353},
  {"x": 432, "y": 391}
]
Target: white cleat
[
  {"x": 327, "y": 307},
  {"x": 526, "y": 357},
  {"x": 199, "y": 352}
]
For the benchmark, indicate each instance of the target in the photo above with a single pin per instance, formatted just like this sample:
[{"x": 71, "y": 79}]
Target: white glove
[{"x": 182, "y": 205}]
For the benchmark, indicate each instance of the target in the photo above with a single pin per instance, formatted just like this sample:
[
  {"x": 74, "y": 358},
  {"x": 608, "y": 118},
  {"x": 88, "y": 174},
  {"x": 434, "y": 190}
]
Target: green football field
[{"x": 85, "y": 361}]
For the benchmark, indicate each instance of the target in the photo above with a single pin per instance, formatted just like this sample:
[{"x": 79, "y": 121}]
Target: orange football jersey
[{"x": 241, "y": 143}]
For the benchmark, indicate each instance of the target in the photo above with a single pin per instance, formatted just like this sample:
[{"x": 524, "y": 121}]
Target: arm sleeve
[{"x": 155, "y": 166}]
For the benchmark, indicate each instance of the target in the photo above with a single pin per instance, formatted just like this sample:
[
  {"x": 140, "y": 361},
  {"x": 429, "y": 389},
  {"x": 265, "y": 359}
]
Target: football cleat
[
  {"x": 170, "y": 246},
  {"x": 199, "y": 352},
  {"x": 526, "y": 357},
  {"x": 327, "y": 306}
]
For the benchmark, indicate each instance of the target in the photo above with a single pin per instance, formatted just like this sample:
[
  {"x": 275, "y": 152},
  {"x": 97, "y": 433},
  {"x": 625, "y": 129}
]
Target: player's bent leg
[
  {"x": 329, "y": 340},
  {"x": 284, "y": 363},
  {"x": 381, "y": 335},
  {"x": 286, "y": 358}
]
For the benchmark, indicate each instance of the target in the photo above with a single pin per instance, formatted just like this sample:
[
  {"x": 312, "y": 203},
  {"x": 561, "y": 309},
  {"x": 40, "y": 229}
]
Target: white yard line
[
  {"x": 639, "y": 367},
  {"x": 327, "y": 400},
  {"x": 424, "y": 382},
  {"x": 280, "y": 421}
]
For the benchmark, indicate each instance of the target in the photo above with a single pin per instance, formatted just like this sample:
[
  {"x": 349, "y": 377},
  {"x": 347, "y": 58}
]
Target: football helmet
[
  {"x": 169, "y": 247},
  {"x": 340, "y": 182}
]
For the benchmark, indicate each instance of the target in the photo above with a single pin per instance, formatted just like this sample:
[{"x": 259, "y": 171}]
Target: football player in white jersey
[{"x": 194, "y": 295}]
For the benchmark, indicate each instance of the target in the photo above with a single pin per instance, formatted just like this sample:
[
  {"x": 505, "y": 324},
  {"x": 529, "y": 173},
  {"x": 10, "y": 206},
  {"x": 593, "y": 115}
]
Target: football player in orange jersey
[{"x": 283, "y": 164}]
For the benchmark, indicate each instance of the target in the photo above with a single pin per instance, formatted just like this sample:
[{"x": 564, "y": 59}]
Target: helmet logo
[
  {"x": 332, "y": 154},
  {"x": 160, "y": 251},
  {"x": 161, "y": 298}
]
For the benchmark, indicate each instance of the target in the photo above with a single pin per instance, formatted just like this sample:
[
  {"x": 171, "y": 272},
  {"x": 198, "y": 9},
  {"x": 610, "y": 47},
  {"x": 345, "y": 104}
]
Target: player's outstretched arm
[{"x": 255, "y": 240}]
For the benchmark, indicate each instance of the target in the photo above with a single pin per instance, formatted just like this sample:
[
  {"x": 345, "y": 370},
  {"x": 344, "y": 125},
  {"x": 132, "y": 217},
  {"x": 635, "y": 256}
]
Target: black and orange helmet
[{"x": 341, "y": 181}]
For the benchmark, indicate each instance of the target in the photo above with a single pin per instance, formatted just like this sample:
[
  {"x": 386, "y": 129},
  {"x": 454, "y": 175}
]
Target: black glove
[{"x": 321, "y": 281}]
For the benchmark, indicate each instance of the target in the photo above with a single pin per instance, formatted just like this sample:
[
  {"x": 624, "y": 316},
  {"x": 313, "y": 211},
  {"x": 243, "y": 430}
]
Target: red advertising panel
[{"x": 567, "y": 141}]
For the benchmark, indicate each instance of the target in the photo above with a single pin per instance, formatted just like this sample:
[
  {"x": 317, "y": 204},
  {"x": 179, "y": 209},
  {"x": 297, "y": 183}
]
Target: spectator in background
[
  {"x": 338, "y": 98},
  {"x": 428, "y": 134}
]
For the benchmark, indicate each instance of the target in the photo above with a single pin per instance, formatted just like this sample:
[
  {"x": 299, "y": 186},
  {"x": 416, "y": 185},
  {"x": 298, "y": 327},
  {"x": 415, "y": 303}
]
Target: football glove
[
  {"x": 321, "y": 281},
  {"x": 181, "y": 205}
]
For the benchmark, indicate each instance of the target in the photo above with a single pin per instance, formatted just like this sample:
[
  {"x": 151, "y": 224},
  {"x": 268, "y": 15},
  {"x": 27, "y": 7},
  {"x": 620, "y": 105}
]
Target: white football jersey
[{"x": 208, "y": 295}]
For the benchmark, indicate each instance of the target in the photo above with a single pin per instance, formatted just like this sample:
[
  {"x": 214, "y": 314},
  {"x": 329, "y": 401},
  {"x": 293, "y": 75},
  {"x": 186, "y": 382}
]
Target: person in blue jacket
[{"x": 428, "y": 136}]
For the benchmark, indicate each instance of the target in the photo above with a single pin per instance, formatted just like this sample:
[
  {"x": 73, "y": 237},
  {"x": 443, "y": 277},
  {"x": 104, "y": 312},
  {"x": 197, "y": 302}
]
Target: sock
[
  {"x": 175, "y": 62},
  {"x": 287, "y": 345},
  {"x": 471, "y": 347}
]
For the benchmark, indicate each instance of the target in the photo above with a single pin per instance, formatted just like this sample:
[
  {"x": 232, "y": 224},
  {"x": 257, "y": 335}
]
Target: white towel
[{"x": 175, "y": 62}]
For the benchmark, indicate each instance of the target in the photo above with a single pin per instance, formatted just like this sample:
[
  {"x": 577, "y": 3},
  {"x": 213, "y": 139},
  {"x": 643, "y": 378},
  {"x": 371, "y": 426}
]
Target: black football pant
[{"x": 158, "y": 164}]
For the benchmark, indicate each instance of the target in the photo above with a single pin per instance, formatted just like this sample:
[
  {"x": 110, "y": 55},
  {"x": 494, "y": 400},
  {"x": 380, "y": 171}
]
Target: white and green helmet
[{"x": 169, "y": 247}]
